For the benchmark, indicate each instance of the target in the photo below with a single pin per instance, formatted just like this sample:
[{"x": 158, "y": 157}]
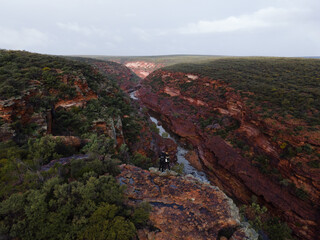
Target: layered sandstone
[
  {"x": 182, "y": 207},
  {"x": 142, "y": 68},
  {"x": 125, "y": 77},
  {"x": 184, "y": 103}
]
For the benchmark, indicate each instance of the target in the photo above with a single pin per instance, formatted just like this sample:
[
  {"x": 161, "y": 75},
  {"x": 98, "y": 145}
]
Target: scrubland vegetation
[
  {"x": 280, "y": 86},
  {"x": 74, "y": 199}
]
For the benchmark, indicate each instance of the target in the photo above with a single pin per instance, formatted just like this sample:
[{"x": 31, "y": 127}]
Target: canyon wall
[{"x": 237, "y": 148}]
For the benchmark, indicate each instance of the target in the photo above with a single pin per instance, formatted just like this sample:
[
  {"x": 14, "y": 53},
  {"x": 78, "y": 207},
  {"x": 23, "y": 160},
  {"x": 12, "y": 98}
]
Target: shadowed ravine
[{"x": 188, "y": 169}]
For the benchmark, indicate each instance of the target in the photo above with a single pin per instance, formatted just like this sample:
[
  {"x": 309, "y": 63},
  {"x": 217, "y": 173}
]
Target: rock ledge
[{"x": 183, "y": 207}]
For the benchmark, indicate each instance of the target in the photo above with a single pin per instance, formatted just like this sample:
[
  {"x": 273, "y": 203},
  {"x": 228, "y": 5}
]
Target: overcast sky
[{"x": 159, "y": 27}]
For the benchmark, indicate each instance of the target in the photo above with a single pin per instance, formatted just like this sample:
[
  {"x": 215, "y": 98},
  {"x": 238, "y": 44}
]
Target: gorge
[
  {"x": 235, "y": 147},
  {"x": 245, "y": 129}
]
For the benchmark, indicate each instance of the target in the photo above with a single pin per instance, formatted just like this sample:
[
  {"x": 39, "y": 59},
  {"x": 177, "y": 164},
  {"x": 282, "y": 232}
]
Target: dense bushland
[
  {"x": 75, "y": 196},
  {"x": 280, "y": 85}
]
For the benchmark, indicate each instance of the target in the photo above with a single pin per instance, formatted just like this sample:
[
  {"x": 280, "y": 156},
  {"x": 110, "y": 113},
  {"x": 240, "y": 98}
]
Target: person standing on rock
[
  {"x": 162, "y": 158},
  {"x": 167, "y": 161},
  {"x": 164, "y": 161}
]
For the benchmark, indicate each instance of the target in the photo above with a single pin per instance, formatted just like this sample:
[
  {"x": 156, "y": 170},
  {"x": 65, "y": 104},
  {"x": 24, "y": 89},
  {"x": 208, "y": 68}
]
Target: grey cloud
[
  {"x": 144, "y": 27},
  {"x": 268, "y": 17},
  {"x": 23, "y": 38}
]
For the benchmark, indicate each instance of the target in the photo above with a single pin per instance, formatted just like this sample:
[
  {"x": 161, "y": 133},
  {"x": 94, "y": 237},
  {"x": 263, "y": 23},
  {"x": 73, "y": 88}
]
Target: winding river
[{"x": 188, "y": 169}]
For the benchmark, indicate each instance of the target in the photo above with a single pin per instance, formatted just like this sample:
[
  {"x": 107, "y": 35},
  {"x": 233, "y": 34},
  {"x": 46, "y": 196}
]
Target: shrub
[
  {"x": 277, "y": 230},
  {"x": 263, "y": 163},
  {"x": 261, "y": 220},
  {"x": 178, "y": 168},
  {"x": 140, "y": 215},
  {"x": 165, "y": 135},
  {"x": 314, "y": 164},
  {"x": 285, "y": 182},
  {"x": 205, "y": 122},
  {"x": 307, "y": 148},
  {"x": 141, "y": 161},
  {"x": 105, "y": 224},
  {"x": 154, "y": 128},
  {"x": 68, "y": 211},
  {"x": 98, "y": 144},
  {"x": 44, "y": 149},
  {"x": 301, "y": 193},
  {"x": 79, "y": 167}
]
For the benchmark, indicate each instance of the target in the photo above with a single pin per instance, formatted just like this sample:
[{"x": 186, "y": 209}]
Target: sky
[{"x": 286, "y": 28}]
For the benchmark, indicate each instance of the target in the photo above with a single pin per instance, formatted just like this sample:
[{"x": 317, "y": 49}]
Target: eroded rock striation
[
  {"x": 241, "y": 152},
  {"x": 126, "y": 78},
  {"x": 143, "y": 68},
  {"x": 182, "y": 207}
]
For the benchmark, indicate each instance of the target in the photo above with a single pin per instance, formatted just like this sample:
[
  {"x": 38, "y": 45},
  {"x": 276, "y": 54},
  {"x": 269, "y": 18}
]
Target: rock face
[
  {"x": 215, "y": 120},
  {"x": 126, "y": 78},
  {"x": 21, "y": 108},
  {"x": 182, "y": 207},
  {"x": 142, "y": 68}
]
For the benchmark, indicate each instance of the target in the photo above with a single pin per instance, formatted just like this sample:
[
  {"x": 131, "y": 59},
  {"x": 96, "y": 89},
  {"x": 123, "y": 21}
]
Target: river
[{"x": 188, "y": 169}]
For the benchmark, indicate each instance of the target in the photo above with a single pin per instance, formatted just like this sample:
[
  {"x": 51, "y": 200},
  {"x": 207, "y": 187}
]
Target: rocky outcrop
[
  {"x": 83, "y": 93},
  {"x": 143, "y": 68},
  {"x": 17, "y": 110},
  {"x": 182, "y": 207},
  {"x": 126, "y": 78},
  {"x": 112, "y": 128},
  {"x": 215, "y": 120}
]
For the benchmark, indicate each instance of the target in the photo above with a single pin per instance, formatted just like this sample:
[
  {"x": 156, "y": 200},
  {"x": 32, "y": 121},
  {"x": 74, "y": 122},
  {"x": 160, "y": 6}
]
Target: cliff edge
[{"x": 183, "y": 207}]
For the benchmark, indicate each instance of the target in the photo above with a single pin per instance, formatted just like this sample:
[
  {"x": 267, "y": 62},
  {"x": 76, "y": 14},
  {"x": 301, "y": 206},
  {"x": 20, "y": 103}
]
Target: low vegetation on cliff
[
  {"x": 64, "y": 130},
  {"x": 279, "y": 86},
  {"x": 286, "y": 90}
]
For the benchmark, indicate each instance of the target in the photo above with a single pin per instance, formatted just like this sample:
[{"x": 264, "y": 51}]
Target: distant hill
[
  {"x": 144, "y": 65},
  {"x": 313, "y": 57},
  {"x": 166, "y": 60}
]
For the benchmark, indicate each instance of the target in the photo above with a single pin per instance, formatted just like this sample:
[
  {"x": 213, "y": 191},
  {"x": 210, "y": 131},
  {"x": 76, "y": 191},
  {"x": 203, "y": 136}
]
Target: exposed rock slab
[{"x": 182, "y": 207}]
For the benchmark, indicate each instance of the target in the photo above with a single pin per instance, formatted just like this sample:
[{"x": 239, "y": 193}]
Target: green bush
[
  {"x": 154, "y": 128},
  {"x": 314, "y": 164},
  {"x": 165, "y": 135},
  {"x": 307, "y": 148},
  {"x": 261, "y": 220},
  {"x": 141, "y": 161},
  {"x": 301, "y": 193},
  {"x": 68, "y": 211},
  {"x": 78, "y": 167},
  {"x": 178, "y": 168},
  {"x": 105, "y": 224},
  {"x": 205, "y": 122},
  {"x": 140, "y": 215},
  {"x": 262, "y": 163},
  {"x": 44, "y": 149},
  {"x": 277, "y": 230},
  {"x": 98, "y": 144}
]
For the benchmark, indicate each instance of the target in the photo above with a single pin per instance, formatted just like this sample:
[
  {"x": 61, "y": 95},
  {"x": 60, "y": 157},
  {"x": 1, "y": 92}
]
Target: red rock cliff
[{"x": 212, "y": 117}]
